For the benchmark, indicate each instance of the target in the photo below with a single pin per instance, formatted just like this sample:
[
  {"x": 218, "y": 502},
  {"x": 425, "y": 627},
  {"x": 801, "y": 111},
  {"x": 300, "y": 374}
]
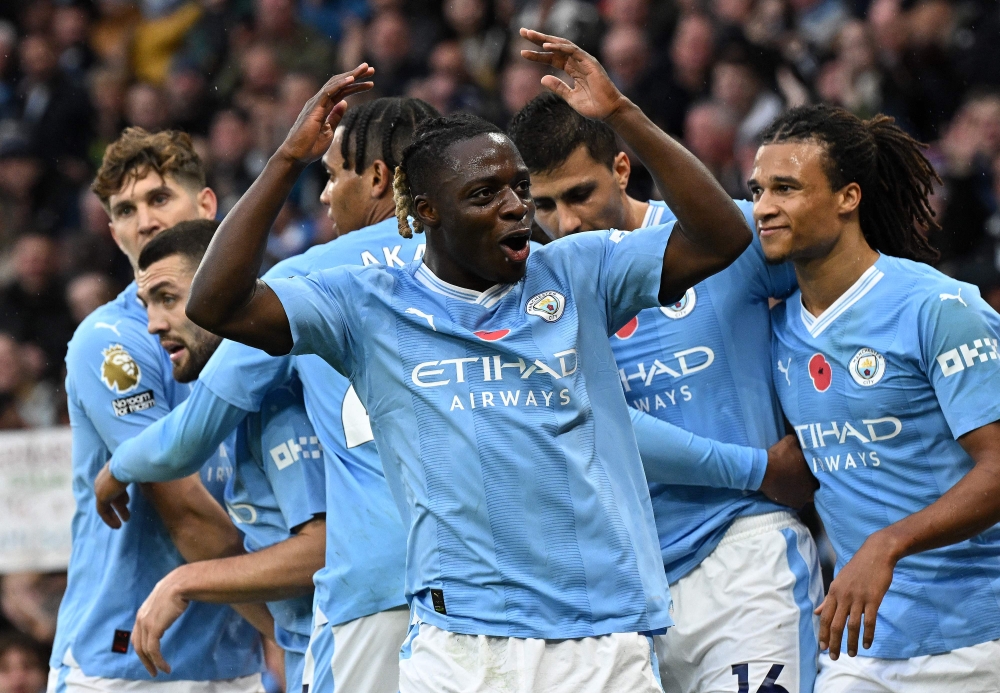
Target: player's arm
[
  {"x": 671, "y": 455},
  {"x": 173, "y": 447},
  {"x": 711, "y": 232},
  {"x": 968, "y": 508},
  {"x": 226, "y": 297},
  {"x": 278, "y": 572}
]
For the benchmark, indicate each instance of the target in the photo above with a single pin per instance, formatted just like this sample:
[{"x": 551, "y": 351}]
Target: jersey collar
[
  {"x": 866, "y": 282},
  {"x": 654, "y": 213},
  {"x": 487, "y": 299}
]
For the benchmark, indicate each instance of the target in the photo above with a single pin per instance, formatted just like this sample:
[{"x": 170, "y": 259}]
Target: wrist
[
  {"x": 621, "y": 112},
  {"x": 889, "y": 543},
  {"x": 179, "y": 583},
  {"x": 285, "y": 163}
]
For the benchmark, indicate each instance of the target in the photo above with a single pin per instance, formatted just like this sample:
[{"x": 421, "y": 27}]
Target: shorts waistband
[{"x": 752, "y": 525}]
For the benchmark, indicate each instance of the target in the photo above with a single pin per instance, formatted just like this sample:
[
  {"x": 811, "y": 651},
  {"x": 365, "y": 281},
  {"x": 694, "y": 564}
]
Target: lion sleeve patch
[{"x": 119, "y": 371}]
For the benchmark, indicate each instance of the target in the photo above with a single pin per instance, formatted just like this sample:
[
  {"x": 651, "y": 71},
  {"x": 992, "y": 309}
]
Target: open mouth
[
  {"x": 515, "y": 246},
  {"x": 175, "y": 350}
]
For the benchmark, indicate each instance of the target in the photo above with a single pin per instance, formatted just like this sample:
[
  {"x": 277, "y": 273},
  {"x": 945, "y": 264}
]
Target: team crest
[
  {"x": 119, "y": 371},
  {"x": 547, "y": 305},
  {"x": 683, "y": 307},
  {"x": 867, "y": 367}
]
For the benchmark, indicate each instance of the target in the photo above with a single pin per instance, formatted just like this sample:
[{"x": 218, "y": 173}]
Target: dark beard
[{"x": 198, "y": 355}]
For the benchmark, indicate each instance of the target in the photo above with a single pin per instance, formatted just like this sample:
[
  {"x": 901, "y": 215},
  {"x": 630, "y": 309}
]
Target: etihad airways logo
[
  {"x": 491, "y": 368},
  {"x": 817, "y": 435},
  {"x": 684, "y": 363}
]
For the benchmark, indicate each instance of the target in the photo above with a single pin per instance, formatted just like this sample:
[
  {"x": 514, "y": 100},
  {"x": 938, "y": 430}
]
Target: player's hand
[
  {"x": 593, "y": 94},
  {"x": 787, "y": 479},
  {"x": 312, "y": 132},
  {"x": 111, "y": 497},
  {"x": 857, "y": 591},
  {"x": 162, "y": 607}
]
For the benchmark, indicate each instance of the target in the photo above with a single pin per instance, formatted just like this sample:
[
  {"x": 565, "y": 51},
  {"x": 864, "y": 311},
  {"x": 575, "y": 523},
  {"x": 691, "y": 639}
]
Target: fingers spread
[{"x": 556, "y": 85}]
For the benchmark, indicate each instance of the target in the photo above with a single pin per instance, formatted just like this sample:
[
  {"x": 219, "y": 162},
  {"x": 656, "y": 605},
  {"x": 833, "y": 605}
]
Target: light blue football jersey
[
  {"x": 701, "y": 364},
  {"x": 878, "y": 388},
  {"x": 277, "y": 487},
  {"x": 366, "y": 539},
  {"x": 502, "y": 426},
  {"x": 118, "y": 382}
]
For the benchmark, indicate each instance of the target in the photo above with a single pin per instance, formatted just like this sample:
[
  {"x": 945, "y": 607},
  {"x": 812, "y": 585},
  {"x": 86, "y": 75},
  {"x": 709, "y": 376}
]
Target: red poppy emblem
[
  {"x": 820, "y": 372},
  {"x": 492, "y": 336},
  {"x": 629, "y": 328}
]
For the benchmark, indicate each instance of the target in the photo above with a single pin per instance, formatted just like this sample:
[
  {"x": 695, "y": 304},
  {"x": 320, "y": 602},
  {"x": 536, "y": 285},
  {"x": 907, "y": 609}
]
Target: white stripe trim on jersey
[
  {"x": 865, "y": 283},
  {"x": 487, "y": 299},
  {"x": 653, "y": 215}
]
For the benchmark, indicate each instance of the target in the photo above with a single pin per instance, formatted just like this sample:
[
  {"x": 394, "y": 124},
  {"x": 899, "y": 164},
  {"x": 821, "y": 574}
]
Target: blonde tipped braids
[{"x": 404, "y": 204}]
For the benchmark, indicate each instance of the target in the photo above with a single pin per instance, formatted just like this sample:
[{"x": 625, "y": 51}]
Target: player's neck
[
  {"x": 635, "y": 213},
  {"x": 382, "y": 209},
  {"x": 824, "y": 279}
]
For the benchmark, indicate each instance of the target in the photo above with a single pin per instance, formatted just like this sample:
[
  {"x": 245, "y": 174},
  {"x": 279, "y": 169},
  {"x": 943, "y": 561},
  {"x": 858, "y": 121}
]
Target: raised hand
[
  {"x": 593, "y": 94},
  {"x": 788, "y": 480},
  {"x": 312, "y": 132},
  {"x": 111, "y": 498}
]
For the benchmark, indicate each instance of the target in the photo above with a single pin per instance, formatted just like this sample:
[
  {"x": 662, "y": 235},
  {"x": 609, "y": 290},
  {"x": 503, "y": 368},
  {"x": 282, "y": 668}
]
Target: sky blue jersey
[
  {"x": 503, "y": 430},
  {"x": 366, "y": 539},
  {"x": 878, "y": 389},
  {"x": 118, "y": 382},
  {"x": 701, "y": 364},
  {"x": 279, "y": 486}
]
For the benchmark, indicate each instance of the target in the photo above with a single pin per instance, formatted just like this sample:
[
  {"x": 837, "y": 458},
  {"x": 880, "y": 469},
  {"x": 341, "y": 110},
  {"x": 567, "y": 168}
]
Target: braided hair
[
  {"x": 895, "y": 177},
  {"x": 381, "y": 129},
  {"x": 425, "y": 155}
]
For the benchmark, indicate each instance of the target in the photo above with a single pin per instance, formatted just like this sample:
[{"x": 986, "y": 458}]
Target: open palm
[{"x": 593, "y": 94}]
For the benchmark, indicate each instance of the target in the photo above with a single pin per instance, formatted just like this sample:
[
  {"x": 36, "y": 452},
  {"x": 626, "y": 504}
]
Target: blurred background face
[
  {"x": 35, "y": 262},
  {"x": 163, "y": 287},
  {"x": 21, "y": 672},
  {"x": 147, "y": 205},
  {"x": 582, "y": 194}
]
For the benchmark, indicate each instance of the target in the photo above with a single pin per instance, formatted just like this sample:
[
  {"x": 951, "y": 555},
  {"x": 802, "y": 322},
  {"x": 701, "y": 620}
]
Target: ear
[
  {"x": 622, "y": 169},
  {"x": 381, "y": 180},
  {"x": 208, "y": 203},
  {"x": 849, "y": 197},
  {"x": 424, "y": 210}
]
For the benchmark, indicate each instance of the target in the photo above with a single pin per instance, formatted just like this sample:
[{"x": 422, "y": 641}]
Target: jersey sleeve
[
  {"x": 292, "y": 455},
  {"x": 630, "y": 271},
  {"x": 179, "y": 443},
  {"x": 317, "y": 314},
  {"x": 121, "y": 382},
  {"x": 242, "y": 375},
  {"x": 770, "y": 280},
  {"x": 671, "y": 455},
  {"x": 958, "y": 342}
]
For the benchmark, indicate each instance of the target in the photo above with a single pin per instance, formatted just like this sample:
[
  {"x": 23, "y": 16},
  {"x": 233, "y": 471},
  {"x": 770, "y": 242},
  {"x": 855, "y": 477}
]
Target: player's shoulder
[
  {"x": 121, "y": 321},
  {"x": 928, "y": 292}
]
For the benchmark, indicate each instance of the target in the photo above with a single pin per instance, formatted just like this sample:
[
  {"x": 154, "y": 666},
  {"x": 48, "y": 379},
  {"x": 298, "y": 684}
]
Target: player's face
[
  {"x": 344, "y": 195},
  {"x": 145, "y": 206},
  {"x": 163, "y": 287},
  {"x": 797, "y": 214},
  {"x": 479, "y": 213},
  {"x": 581, "y": 194}
]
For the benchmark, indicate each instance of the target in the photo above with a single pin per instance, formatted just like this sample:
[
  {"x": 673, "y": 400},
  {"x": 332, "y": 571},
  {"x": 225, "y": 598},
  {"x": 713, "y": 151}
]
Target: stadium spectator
[
  {"x": 88, "y": 292},
  {"x": 22, "y": 665}
]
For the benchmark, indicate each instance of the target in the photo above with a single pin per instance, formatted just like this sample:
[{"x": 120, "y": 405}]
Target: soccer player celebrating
[
  {"x": 488, "y": 376},
  {"x": 743, "y": 572},
  {"x": 360, "y": 615},
  {"x": 275, "y": 494},
  {"x": 118, "y": 382},
  {"x": 888, "y": 371}
]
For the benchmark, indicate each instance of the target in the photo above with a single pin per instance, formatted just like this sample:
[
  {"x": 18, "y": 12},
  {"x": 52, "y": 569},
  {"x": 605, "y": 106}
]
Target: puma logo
[
  {"x": 425, "y": 316},
  {"x": 784, "y": 369},
  {"x": 955, "y": 297},
  {"x": 108, "y": 326}
]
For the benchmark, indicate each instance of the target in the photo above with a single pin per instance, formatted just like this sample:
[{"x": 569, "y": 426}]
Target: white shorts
[
  {"x": 360, "y": 656},
  {"x": 70, "y": 679},
  {"x": 438, "y": 661},
  {"x": 744, "y": 616},
  {"x": 973, "y": 669}
]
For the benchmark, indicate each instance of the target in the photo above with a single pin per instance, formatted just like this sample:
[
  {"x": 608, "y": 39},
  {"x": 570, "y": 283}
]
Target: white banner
[{"x": 36, "y": 499}]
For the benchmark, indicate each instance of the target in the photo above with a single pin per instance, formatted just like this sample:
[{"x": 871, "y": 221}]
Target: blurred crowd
[{"x": 235, "y": 74}]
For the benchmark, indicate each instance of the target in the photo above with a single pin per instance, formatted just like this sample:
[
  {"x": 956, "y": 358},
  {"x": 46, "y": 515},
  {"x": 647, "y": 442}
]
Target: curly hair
[{"x": 137, "y": 152}]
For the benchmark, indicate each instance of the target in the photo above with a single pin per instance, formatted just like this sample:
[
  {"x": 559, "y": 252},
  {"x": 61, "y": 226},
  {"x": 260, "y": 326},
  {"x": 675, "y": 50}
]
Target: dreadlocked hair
[
  {"x": 425, "y": 156},
  {"x": 381, "y": 130},
  {"x": 895, "y": 177}
]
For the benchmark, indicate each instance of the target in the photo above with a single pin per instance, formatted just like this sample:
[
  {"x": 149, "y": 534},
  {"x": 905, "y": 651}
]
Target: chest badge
[
  {"x": 683, "y": 307},
  {"x": 867, "y": 367},
  {"x": 548, "y": 305},
  {"x": 628, "y": 329},
  {"x": 821, "y": 372},
  {"x": 119, "y": 371},
  {"x": 491, "y": 335}
]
